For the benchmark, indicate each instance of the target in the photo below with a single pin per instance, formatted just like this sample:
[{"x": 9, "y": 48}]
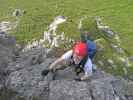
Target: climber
[{"x": 80, "y": 55}]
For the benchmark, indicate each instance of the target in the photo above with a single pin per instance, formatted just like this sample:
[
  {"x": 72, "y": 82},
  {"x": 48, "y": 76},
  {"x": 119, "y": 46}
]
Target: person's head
[{"x": 79, "y": 51}]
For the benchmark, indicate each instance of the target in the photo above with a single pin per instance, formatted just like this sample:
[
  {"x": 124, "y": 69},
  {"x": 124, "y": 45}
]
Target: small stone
[
  {"x": 101, "y": 63},
  {"x": 130, "y": 58},
  {"x": 110, "y": 61},
  {"x": 130, "y": 89}
]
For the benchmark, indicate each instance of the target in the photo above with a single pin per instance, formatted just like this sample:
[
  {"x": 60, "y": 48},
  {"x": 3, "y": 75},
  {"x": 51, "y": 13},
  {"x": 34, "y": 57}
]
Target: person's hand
[
  {"x": 45, "y": 72},
  {"x": 85, "y": 77}
]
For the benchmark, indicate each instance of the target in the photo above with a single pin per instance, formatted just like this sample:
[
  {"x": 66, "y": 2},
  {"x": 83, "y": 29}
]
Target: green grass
[{"x": 39, "y": 13}]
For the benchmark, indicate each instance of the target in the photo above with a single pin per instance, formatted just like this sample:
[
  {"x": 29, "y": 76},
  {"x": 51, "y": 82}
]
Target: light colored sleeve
[
  {"x": 88, "y": 67},
  {"x": 67, "y": 55}
]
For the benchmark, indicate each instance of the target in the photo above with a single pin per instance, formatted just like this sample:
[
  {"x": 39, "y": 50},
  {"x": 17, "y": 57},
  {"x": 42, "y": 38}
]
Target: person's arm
[
  {"x": 51, "y": 67},
  {"x": 87, "y": 70},
  {"x": 56, "y": 62},
  {"x": 60, "y": 60}
]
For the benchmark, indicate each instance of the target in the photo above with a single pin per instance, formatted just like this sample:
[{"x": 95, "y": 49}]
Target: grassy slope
[{"x": 39, "y": 13}]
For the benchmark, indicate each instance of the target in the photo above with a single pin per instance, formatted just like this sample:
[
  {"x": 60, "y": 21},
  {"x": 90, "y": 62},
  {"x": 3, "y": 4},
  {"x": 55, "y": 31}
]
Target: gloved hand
[
  {"x": 45, "y": 72},
  {"x": 77, "y": 79}
]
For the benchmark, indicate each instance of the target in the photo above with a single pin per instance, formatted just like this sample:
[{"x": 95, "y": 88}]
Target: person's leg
[{"x": 85, "y": 35}]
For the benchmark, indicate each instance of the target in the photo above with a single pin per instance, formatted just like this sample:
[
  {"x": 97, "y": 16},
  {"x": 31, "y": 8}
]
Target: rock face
[
  {"x": 23, "y": 80},
  {"x": 69, "y": 90},
  {"x": 25, "y": 75},
  {"x": 7, "y": 46}
]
